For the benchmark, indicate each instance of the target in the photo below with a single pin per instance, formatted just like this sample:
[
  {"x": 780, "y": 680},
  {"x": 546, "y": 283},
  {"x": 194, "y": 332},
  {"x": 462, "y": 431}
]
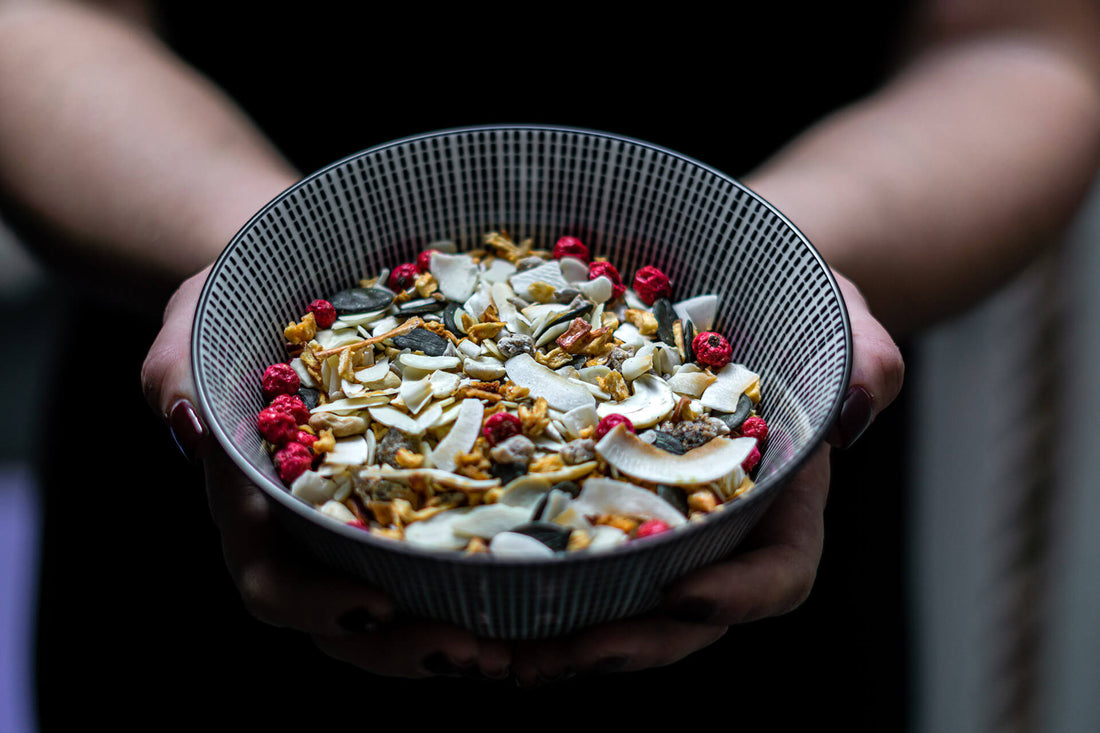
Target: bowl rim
[{"x": 766, "y": 491}]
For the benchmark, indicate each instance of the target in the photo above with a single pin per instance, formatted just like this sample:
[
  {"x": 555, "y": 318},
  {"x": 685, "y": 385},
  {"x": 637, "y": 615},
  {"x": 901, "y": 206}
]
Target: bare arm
[
  {"x": 120, "y": 148},
  {"x": 946, "y": 182}
]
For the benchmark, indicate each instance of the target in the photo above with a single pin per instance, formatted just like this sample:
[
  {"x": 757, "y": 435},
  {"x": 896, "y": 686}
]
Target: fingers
[
  {"x": 621, "y": 646},
  {"x": 421, "y": 649},
  {"x": 278, "y": 583},
  {"x": 775, "y": 568},
  {"x": 877, "y": 370}
]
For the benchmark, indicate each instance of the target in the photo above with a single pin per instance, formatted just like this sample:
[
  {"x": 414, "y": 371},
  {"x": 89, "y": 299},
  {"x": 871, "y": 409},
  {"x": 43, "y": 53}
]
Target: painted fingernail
[
  {"x": 692, "y": 610},
  {"x": 610, "y": 665},
  {"x": 186, "y": 427},
  {"x": 358, "y": 621},
  {"x": 855, "y": 416},
  {"x": 438, "y": 663}
]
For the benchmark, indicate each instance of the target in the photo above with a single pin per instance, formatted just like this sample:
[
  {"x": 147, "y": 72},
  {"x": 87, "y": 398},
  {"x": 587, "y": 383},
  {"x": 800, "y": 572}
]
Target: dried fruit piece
[
  {"x": 501, "y": 427},
  {"x": 292, "y": 461},
  {"x": 424, "y": 259},
  {"x": 650, "y": 527},
  {"x": 712, "y": 349},
  {"x": 610, "y": 421},
  {"x": 276, "y": 426},
  {"x": 323, "y": 312},
  {"x": 280, "y": 379},
  {"x": 293, "y": 406},
  {"x": 755, "y": 427},
  {"x": 651, "y": 284},
  {"x": 571, "y": 247},
  {"x": 750, "y": 463},
  {"x": 403, "y": 276}
]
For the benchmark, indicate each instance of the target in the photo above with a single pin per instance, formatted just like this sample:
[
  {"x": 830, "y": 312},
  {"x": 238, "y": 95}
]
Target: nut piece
[
  {"x": 540, "y": 291},
  {"x": 341, "y": 426},
  {"x": 702, "y": 501},
  {"x": 576, "y": 337},
  {"x": 303, "y": 331},
  {"x": 614, "y": 385},
  {"x": 645, "y": 321}
]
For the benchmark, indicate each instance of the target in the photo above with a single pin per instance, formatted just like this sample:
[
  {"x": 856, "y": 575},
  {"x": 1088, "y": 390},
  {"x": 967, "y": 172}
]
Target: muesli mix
[{"x": 512, "y": 401}]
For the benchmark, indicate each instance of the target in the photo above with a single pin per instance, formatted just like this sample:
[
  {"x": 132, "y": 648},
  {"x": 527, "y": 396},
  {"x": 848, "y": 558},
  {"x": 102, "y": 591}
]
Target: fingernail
[
  {"x": 358, "y": 621},
  {"x": 438, "y": 663},
  {"x": 610, "y": 665},
  {"x": 692, "y": 610},
  {"x": 855, "y": 417},
  {"x": 186, "y": 427}
]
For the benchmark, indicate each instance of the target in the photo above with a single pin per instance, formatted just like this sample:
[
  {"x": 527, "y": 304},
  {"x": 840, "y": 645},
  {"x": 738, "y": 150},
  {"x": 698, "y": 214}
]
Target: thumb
[
  {"x": 166, "y": 373},
  {"x": 877, "y": 370}
]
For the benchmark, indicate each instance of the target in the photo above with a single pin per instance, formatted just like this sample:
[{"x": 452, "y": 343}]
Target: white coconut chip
[
  {"x": 607, "y": 496},
  {"x": 463, "y": 434},
  {"x": 732, "y": 381},
  {"x": 394, "y": 418},
  {"x": 416, "y": 394},
  {"x": 605, "y": 537},
  {"x": 354, "y": 404},
  {"x": 350, "y": 451},
  {"x": 313, "y": 488},
  {"x": 573, "y": 270},
  {"x": 640, "y": 363},
  {"x": 578, "y": 419},
  {"x": 560, "y": 393},
  {"x": 651, "y": 402},
  {"x": 488, "y": 520},
  {"x": 330, "y": 339},
  {"x": 485, "y": 368},
  {"x": 436, "y": 532},
  {"x": 640, "y": 460},
  {"x": 429, "y": 417},
  {"x": 598, "y": 290},
  {"x": 457, "y": 275},
  {"x": 700, "y": 310},
  {"x": 304, "y": 377},
  {"x": 629, "y": 334},
  {"x": 429, "y": 363},
  {"x": 385, "y": 325},
  {"x": 499, "y": 270},
  {"x": 372, "y": 374},
  {"x": 548, "y": 272},
  {"x": 337, "y": 511},
  {"x": 692, "y": 384},
  {"x": 444, "y": 384},
  {"x": 516, "y": 544}
]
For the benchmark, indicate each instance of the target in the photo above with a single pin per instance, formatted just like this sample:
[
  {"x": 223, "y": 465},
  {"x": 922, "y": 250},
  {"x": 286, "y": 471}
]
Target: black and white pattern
[{"x": 630, "y": 201}]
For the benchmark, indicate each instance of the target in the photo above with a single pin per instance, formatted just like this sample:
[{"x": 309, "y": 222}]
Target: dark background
[{"x": 139, "y": 622}]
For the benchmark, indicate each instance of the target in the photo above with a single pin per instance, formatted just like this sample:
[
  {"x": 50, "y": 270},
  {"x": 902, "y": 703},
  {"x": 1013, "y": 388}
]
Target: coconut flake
[
  {"x": 455, "y": 274},
  {"x": 731, "y": 383},
  {"x": 607, "y": 496},
  {"x": 651, "y": 402},
  {"x": 700, "y": 310},
  {"x": 463, "y": 434},
  {"x": 640, "y": 460},
  {"x": 560, "y": 393}
]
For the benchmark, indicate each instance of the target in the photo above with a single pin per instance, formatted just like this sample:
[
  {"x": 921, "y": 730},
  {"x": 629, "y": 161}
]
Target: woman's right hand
[{"x": 280, "y": 585}]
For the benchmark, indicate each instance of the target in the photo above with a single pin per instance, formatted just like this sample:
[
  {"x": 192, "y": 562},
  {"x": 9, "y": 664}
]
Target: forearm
[
  {"x": 119, "y": 147},
  {"x": 949, "y": 180}
]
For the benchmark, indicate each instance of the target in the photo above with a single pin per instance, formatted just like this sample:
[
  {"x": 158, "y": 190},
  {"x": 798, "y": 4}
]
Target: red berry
[
  {"x": 280, "y": 379},
  {"x": 500, "y": 427},
  {"x": 651, "y": 284},
  {"x": 750, "y": 463},
  {"x": 324, "y": 313},
  {"x": 424, "y": 260},
  {"x": 357, "y": 523},
  {"x": 403, "y": 276},
  {"x": 606, "y": 269},
  {"x": 276, "y": 426},
  {"x": 650, "y": 527},
  {"x": 608, "y": 423},
  {"x": 292, "y": 405},
  {"x": 292, "y": 461},
  {"x": 571, "y": 247},
  {"x": 306, "y": 439},
  {"x": 755, "y": 427},
  {"x": 711, "y": 349}
]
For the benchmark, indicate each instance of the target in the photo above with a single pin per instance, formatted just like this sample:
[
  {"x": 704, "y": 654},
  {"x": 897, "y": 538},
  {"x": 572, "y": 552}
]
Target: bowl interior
[{"x": 630, "y": 201}]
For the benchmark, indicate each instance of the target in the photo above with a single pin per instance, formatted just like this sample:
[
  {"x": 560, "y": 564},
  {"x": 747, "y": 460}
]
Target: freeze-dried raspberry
[
  {"x": 292, "y": 405},
  {"x": 650, "y": 527},
  {"x": 750, "y": 463},
  {"x": 755, "y": 427},
  {"x": 280, "y": 379},
  {"x": 292, "y": 461},
  {"x": 324, "y": 313},
  {"x": 403, "y": 276},
  {"x": 651, "y": 284},
  {"x": 711, "y": 349},
  {"x": 500, "y": 427},
  {"x": 276, "y": 426},
  {"x": 306, "y": 439},
  {"x": 571, "y": 247},
  {"x": 424, "y": 260},
  {"x": 606, "y": 269},
  {"x": 608, "y": 423}
]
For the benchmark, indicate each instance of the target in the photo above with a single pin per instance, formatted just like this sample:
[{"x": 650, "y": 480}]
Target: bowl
[{"x": 635, "y": 202}]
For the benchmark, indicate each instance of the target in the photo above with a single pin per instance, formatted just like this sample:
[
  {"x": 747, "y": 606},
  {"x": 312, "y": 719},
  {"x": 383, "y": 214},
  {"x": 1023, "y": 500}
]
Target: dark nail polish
[
  {"x": 358, "y": 621},
  {"x": 610, "y": 665},
  {"x": 438, "y": 663},
  {"x": 855, "y": 416},
  {"x": 692, "y": 610},
  {"x": 186, "y": 427}
]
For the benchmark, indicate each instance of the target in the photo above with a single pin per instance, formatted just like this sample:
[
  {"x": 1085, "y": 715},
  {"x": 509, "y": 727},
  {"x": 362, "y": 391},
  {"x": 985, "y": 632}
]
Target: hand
[
  {"x": 279, "y": 584},
  {"x": 774, "y": 568}
]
